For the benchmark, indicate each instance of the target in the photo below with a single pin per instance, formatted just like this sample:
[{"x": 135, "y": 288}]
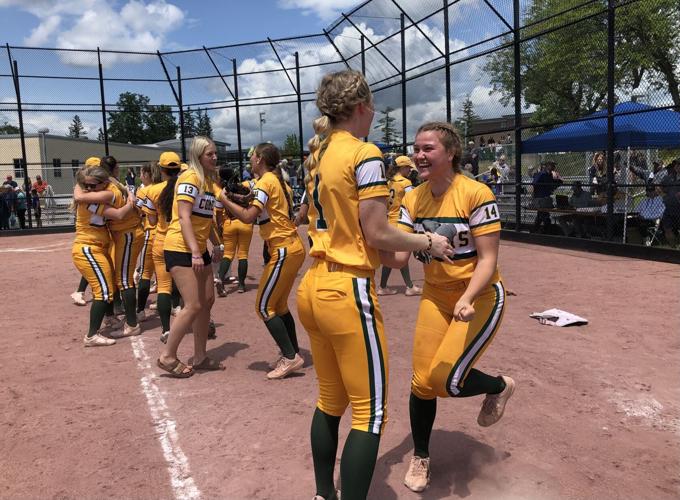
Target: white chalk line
[
  {"x": 183, "y": 484},
  {"x": 40, "y": 249}
]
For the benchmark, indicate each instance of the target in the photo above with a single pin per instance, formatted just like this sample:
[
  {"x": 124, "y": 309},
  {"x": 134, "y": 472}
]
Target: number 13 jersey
[
  {"x": 467, "y": 204},
  {"x": 350, "y": 170}
]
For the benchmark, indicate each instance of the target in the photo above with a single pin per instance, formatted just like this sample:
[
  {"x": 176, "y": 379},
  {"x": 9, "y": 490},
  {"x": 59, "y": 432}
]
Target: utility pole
[{"x": 262, "y": 121}]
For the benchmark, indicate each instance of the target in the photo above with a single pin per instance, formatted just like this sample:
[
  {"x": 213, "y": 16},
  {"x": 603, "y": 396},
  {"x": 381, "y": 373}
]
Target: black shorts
[{"x": 182, "y": 259}]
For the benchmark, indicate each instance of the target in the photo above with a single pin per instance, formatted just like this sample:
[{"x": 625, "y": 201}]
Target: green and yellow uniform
[{"x": 128, "y": 239}]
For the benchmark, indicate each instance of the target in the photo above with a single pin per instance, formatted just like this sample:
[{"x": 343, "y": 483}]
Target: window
[
  {"x": 18, "y": 171},
  {"x": 75, "y": 166},
  {"x": 56, "y": 165}
]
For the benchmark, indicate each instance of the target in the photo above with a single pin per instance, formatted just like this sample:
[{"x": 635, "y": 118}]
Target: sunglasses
[{"x": 91, "y": 186}]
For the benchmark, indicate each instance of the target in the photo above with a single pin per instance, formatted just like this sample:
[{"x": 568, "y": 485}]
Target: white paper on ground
[{"x": 558, "y": 317}]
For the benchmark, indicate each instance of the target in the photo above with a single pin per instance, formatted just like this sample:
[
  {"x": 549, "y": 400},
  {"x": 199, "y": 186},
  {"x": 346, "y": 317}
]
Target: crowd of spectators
[{"x": 14, "y": 202}]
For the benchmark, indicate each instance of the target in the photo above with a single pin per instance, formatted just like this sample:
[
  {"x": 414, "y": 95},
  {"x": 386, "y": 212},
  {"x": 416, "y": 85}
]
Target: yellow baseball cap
[
  {"x": 93, "y": 161},
  {"x": 404, "y": 161},
  {"x": 169, "y": 159}
]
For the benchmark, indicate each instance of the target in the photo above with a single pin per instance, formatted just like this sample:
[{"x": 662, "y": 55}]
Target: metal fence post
[
  {"x": 363, "y": 55},
  {"x": 103, "y": 103},
  {"x": 447, "y": 67},
  {"x": 238, "y": 119},
  {"x": 518, "y": 114},
  {"x": 181, "y": 114},
  {"x": 299, "y": 105},
  {"x": 611, "y": 19},
  {"x": 24, "y": 163},
  {"x": 403, "y": 84}
]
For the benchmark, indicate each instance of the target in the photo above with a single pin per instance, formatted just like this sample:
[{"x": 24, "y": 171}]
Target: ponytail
[{"x": 167, "y": 196}]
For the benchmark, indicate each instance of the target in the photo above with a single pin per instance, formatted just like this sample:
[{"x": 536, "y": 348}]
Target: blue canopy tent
[{"x": 651, "y": 129}]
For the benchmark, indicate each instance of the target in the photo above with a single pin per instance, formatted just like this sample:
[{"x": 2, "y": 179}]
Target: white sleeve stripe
[
  {"x": 405, "y": 217},
  {"x": 261, "y": 196},
  {"x": 370, "y": 172},
  {"x": 187, "y": 189},
  {"x": 485, "y": 214}
]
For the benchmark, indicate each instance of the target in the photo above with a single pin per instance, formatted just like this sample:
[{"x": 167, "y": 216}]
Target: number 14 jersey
[{"x": 467, "y": 204}]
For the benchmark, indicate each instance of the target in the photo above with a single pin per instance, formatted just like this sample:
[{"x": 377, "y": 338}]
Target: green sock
[
  {"x": 477, "y": 383},
  {"x": 357, "y": 463},
  {"x": 109, "y": 308},
  {"x": 324, "y": 449},
  {"x": 290, "y": 328},
  {"x": 163, "y": 306},
  {"x": 117, "y": 303},
  {"x": 406, "y": 274},
  {"x": 224, "y": 268},
  {"x": 130, "y": 303},
  {"x": 143, "y": 294},
  {"x": 176, "y": 297},
  {"x": 82, "y": 286},
  {"x": 242, "y": 271},
  {"x": 97, "y": 312},
  {"x": 277, "y": 329},
  {"x": 422, "y": 413},
  {"x": 384, "y": 276}
]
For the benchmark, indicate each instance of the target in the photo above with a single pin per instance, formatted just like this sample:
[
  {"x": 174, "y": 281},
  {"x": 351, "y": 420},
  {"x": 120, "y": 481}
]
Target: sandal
[
  {"x": 209, "y": 365},
  {"x": 176, "y": 369}
]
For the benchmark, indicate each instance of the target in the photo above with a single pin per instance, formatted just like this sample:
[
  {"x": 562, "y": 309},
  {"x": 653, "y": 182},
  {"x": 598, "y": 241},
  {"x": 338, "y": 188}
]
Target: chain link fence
[{"x": 602, "y": 74}]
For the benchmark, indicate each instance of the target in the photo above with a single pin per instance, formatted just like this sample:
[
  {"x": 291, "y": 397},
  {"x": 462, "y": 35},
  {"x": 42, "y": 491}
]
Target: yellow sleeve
[
  {"x": 484, "y": 214},
  {"x": 407, "y": 212},
  {"x": 187, "y": 188},
  {"x": 149, "y": 204},
  {"x": 263, "y": 190},
  {"x": 141, "y": 197},
  {"x": 369, "y": 172}
]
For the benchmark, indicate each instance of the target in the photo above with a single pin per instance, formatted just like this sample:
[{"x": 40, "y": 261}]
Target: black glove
[{"x": 423, "y": 256}]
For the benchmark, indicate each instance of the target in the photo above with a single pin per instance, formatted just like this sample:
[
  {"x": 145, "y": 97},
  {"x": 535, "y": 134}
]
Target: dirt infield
[{"x": 596, "y": 413}]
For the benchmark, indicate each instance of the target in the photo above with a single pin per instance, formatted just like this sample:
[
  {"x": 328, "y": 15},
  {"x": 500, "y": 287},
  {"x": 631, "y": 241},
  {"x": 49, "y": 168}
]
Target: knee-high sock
[
  {"x": 422, "y": 413},
  {"x": 242, "y": 271},
  {"x": 358, "y": 462},
  {"x": 82, "y": 286},
  {"x": 277, "y": 329},
  {"x": 163, "y": 305},
  {"x": 290, "y": 328},
  {"x": 406, "y": 274},
  {"x": 477, "y": 383},
  {"x": 224, "y": 268},
  {"x": 130, "y": 303},
  {"x": 143, "y": 294},
  {"x": 324, "y": 436},
  {"x": 384, "y": 276},
  {"x": 176, "y": 297},
  {"x": 97, "y": 312}
]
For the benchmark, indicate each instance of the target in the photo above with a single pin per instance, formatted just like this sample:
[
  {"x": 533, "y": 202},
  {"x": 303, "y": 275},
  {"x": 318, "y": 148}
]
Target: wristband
[
  {"x": 429, "y": 239},
  {"x": 193, "y": 257}
]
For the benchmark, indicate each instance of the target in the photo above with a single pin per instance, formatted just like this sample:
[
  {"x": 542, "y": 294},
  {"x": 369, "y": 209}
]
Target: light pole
[{"x": 262, "y": 121}]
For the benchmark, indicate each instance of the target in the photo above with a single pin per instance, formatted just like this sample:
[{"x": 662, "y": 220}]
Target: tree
[
  {"x": 159, "y": 124},
  {"x": 190, "y": 120},
  {"x": 100, "y": 135},
  {"x": 386, "y": 126},
  {"x": 76, "y": 128},
  {"x": 291, "y": 145},
  {"x": 8, "y": 129},
  {"x": 203, "y": 125},
  {"x": 464, "y": 123},
  {"x": 127, "y": 124},
  {"x": 564, "y": 72}
]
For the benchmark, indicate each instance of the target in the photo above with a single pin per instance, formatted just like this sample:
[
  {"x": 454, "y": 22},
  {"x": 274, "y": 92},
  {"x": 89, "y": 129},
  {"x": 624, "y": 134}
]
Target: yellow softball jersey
[
  {"x": 204, "y": 204},
  {"x": 91, "y": 225},
  {"x": 398, "y": 186},
  {"x": 141, "y": 200},
  {"x": 350, "y": 170},
  {"x": 467, "y": 204},
  {"x": 131, "y": 220},
  {"x": 276, "y": 226},
  {"x": 150, "y": 204}
]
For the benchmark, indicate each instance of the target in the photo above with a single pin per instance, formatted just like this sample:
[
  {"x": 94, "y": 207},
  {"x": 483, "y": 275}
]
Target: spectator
[
  {"x": 5, "y": 208},
  {"x": 471, "y": 156},
  {"x": 650, "y": 209},
  {"x": 35, "y": 206},
  {"x": 468, "y": 172},
  {"x": 545, "y": 183},
  {"x": 638, "y": 165},
  {"x": 580, "y": 198},
  {"x": 482, "y": 143},
  {"x": 10, "y": 181},
  {"x": 130, "y": 179},
  {"x": 246, "y": 174},
  {"x": 597, "y": 174},
  {"x": 574, "y": 224},
  {"x": 40, "y": 185},
  {"x": 657, "y": 174},
  {"x": 503, "y": 173},
  {"x": 670, "y": 186},
  {"x": 21, "y": 207}
]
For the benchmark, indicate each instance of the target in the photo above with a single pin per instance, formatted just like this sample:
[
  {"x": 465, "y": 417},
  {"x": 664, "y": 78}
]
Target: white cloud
[
  {"x": 327, "y": 10},
  {"x": 43, "y": 32}
]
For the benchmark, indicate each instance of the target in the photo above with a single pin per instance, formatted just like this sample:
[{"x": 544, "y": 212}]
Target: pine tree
[
  {"x": 159, "y": 124},
  {"x": 465, "y": 122},
  {"x": 203, "y": 126},
  {"x": 386, "y": 126},
  {"x": 291, "y": 146},
  {"x": 190, "y": 123},
  {"x": 7, "y": 129},
  {"x": 76, "y": 128},
  {"x": 100, "y": 135}
]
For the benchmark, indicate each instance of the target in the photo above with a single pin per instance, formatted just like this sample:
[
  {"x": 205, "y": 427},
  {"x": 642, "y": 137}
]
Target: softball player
[
  {"x": 150, "y": 175},
  {"x": 337, "y": 303},
  {"x": 272, "y": 209},
  {"x": 463, "y": 300},
  {"x": 398, "y": 185},
  {"x": 236, "y": 237},
  {"x": 90, "y": 251},
  {"x": 187, "y": 258},
  {"x": 158, "y": 210}
]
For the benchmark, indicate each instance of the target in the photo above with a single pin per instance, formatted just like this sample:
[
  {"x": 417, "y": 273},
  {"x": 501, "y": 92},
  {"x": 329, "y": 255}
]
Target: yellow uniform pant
[
  {"x": 236, "y": 235},
  {"x": 277, "y": 279},
  {"x": 146, "y": 261},
  {"x": 163, "y": 277},
  {"x": 339, "y": 309},
  {"x": 445, "y": 350},
  {"x": 94, "y": 263}
]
